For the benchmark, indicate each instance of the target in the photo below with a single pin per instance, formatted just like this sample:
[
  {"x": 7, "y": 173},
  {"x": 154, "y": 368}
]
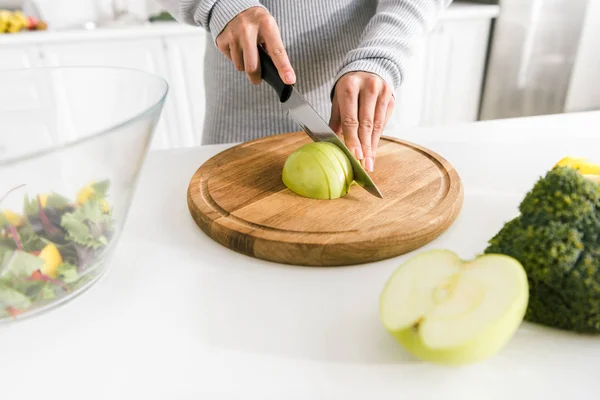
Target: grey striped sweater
[{"x": 324, "y": 40}]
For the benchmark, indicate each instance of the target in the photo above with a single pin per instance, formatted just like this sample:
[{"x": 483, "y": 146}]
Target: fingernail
[
  {"x": 369, "y": 164},
  {"x": 290, "y": 77},
  {"x": 358, "y": 153}
]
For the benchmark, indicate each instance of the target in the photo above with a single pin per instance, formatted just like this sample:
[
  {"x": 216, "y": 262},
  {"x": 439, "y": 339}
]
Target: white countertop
[
  {"x": 457, "y": 10},
  {"x": 181, "y": 317}
]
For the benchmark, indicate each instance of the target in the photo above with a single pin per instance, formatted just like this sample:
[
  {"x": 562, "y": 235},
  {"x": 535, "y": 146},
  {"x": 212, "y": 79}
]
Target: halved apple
[
  {"x": 446, "y": 310},
  {"x": 318, "y": 170},
  {"x": 336, "y": 152},
  {"x": 335, "y": 177}
]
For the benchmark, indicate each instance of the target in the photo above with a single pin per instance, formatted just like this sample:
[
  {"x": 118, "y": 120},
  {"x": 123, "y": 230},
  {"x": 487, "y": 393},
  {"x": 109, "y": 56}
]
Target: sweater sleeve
[
  {"x": 387, "y": 41},
  {"x": 212, "y": 15}
]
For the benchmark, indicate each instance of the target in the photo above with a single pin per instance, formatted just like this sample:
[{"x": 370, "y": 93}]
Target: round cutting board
[{"x": 238, "y": 199}]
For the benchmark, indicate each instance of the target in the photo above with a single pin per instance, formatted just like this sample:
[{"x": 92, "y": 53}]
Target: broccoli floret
[
  {"x": 546, "y": 251},
  {"x": 564, "y": 195},
  {"x": 555, "y": 239}
]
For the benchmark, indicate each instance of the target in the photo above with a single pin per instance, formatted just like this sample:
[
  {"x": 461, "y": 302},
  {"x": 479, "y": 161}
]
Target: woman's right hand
[{"x": 239, "y": 40}]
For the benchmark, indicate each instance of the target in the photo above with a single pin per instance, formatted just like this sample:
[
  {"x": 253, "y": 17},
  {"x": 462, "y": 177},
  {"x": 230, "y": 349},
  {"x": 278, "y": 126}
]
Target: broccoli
[{"x": 555, "y": 238}]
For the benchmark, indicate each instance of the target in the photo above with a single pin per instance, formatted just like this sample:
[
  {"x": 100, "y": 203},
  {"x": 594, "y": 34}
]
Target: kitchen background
[{"x": 485, "y": 60}]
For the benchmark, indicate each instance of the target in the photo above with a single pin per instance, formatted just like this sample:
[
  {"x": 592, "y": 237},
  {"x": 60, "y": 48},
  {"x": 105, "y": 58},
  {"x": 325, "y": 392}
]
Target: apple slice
[
  {"x": 446, "y": 310},
  {"x": 302, "y": 174}
]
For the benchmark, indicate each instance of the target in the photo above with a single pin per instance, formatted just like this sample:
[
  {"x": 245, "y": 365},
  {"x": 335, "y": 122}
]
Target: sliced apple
[
  {"x": 334, "y": 174},
  {"x": 343, "y": 159},
  {"x": 303, "y": 175},
  {"x": 317, "y": 170},
  {"x": 446, "y": 310}
]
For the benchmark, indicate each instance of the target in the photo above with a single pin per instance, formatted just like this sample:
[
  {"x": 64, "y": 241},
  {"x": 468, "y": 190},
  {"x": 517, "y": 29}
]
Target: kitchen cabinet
[
  {"x": 143, "y": 54},
  {"x": 19, "y": 57},
  {"x": 444, "y": 79},
  {"x": 185, "y": 55},
  {"x": 442, "y": 84}
]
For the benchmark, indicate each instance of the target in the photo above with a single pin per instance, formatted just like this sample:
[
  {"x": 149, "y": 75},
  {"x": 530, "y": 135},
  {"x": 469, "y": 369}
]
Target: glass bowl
[{"x": 72, "y": 142}]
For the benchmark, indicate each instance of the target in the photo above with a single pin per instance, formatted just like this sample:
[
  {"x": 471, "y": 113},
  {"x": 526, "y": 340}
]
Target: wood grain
[{"x": 238, "y": 199}]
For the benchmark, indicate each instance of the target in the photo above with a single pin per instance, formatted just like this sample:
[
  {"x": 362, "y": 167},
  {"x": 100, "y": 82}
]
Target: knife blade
[{"x": 309, "y": 119}]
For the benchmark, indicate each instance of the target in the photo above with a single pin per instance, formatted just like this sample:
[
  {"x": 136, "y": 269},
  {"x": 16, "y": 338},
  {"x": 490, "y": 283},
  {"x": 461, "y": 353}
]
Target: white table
[{"x": 180, "y": 317}]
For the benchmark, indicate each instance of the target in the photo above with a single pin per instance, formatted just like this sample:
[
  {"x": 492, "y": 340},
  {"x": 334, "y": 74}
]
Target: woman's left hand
[{"x": 361, "y": 107}]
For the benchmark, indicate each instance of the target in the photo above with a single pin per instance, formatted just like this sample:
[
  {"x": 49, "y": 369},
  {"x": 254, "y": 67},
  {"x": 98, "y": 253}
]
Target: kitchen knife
[{"x": 308, "y": 118}]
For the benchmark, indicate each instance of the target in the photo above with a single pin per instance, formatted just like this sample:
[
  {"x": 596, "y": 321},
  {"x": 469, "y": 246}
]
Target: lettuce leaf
[
  {"x": 67, "y": 273},
  {"x": 100, "y": 189},
  {"x": 31, "y": 206},
  {"x": 48, "y": 292},
  {"x": 88, "y": 226},
  {"x": 30, "y": 240},
  {"x": 18, "y": 263},
  {"x": 10, "y": 297},
  {"x": 55, "y": 200}
]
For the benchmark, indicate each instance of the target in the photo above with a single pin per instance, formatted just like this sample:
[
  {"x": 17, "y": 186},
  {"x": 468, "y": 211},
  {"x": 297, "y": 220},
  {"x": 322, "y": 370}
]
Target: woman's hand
[
  {"x": 362, "y": 105},
  {"x": 239, "y": 40}
]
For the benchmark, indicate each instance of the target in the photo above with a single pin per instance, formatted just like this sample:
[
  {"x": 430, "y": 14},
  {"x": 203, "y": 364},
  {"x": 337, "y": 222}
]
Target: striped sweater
[{"x": 324, "y": 40}]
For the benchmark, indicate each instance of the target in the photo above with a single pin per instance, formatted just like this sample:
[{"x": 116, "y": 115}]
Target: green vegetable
[
  {"x": 555, "y": 238},
  {"x": 53, "y": 200},
  {"x": 48, "y": 292},
  {"x": 100, "y": 190},
  {"x": 19, "y": 263},
  {"x": 77, "y": 232},
  {"x": 30, "y": 240},
  {"x": 10, "y": 297},
  {"x": 88, "y": 226},
  {"x": 68, "y": 273}
]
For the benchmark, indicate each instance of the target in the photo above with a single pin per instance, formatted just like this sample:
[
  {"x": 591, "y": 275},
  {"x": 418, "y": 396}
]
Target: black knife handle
[{"x": 269, "y": 73}]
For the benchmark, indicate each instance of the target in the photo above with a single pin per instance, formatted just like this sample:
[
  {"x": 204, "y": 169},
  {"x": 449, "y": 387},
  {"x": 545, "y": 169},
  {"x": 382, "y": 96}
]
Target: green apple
[
  {"x": 332, "y": 149},
  {"x": 318, "y": 170},
  {"x": 446, "y": 310}
]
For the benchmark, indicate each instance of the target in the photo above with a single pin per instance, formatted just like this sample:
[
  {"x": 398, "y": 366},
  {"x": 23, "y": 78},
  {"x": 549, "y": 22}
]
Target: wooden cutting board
[{"x": 238, "y": 198}]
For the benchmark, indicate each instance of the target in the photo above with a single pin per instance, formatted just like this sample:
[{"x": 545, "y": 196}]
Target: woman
[{"x": 346, "y": 57}]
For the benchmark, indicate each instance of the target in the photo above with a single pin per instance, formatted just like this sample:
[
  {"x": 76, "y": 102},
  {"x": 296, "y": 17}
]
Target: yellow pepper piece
[
  {"x": 13, "y": 218},
  {"x": 86, "y": 193},
  {"x": 44, "y": 200},
  {"x": 581, "y": 164},
  {"x": 105, "y": 207},
  {"x": 52, "y": 259}
]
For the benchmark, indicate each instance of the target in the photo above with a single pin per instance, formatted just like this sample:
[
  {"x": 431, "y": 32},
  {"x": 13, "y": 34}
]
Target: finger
[
  {"x": 390, "y": 109},
  {"x": 367, "y": 102},
  {"x": 227, "y": 52},
  {"x": 236, "y": 56},
  {"x": 348, "y": 101},
  {"x": 275, "y": 48},
  {"x": 379, "y": 122},
  {"x": 251, "y": 63},
  {"x": 223, "y": 45},
  {"x": 335, "y": 121}
]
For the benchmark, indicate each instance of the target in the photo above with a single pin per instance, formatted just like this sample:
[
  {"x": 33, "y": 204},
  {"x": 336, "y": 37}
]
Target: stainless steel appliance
[{"x": 533, "y": 47}]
